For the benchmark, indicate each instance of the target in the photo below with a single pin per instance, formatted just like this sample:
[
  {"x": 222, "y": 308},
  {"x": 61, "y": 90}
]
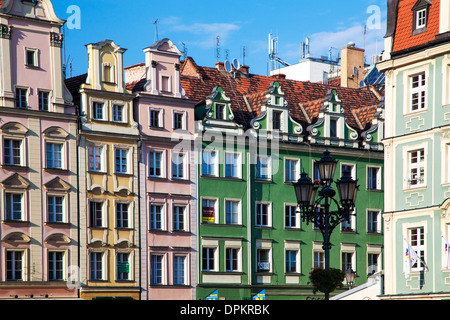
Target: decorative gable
[
  {"x": 331, "y": 127},
  {"x": 274, "y": 112},
  {"x": 16, "y": 181},
  {"x": 57, "y": 184},
  {"x": 372, "y": 138}
]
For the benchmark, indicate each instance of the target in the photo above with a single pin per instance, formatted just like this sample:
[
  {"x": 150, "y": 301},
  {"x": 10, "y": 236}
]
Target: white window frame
[
  {"x": 350, "y": 225},
  {"x": 176, "y": 221},
  {"x": 152, "y": 221},
  {"x": 421, "y": 91},
  {"x": 169, "y": 82},
  {"x": 183, "y": 119},
  {"x": 237, "y": 260},
  {"x": 42, "y": 99},
  {"x": 21, "y": 95},
  {"x": 35, "y": 52},
  {"x": 54, "y": 213},
  {"x": 9, "y": 216},
  {"x": 348, "y": 249},
  {"x": 11, "y": 147},
  {"x": 118, "y": 209},
  {"x": 286, "y": 170},
  {"x": 111, "y": 76},
  {"x": 296, "y": 217},
  {"x": 175, "y": 173},
  {"x": 102, "y": 204},
  {"x": 353, "y": 170},
  {"x": 95, "y": 110},
  {"x": 215, "y": 258},
  {"x": 263, "y": 171},
  {"x": 115, "y": 112},
  {"x": 261, "y": 265},
  {"x": 238, "y": 213},
  {"x": 421, "y": 18},
  {"x": 23, "y": 265},
  {"x": 370, "y": 228},
  {"x": 128, "y": 153},
  {"x": 52, "y": 161},
  {"x": 416, "y": 166},
  {"x": 418, "y": 247},
  {"x": 378, "y": 177},
  {"x": 234, "y": 166},
  {"x": 160, "y": 116},
  {"x": 154, "y": 264},
  {"x": 210, "y": 163},
  {"x": 100, "y": 154},
  {"x": 184, "y": 269},
  {"x": 102, "y": 265},
  {"x": 53, "y": 271},
  {"x": 216, "y": 209},
  {"x": 119, "y": 259},
  {"x": 221, "y": 105},
  {"x": 259, "y": 220},
  {"x": 162, "y": 166}
]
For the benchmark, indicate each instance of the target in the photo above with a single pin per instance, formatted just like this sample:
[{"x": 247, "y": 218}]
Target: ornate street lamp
[
  {"x": 350, "y": 277},
  {"x": 317, "y": 211}
]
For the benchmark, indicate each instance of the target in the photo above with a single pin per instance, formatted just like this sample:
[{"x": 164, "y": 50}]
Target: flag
[
  {"x": 446, "y": 253},
  {"x": 213, "y": 296},
  {"x": 260, "y": 296},
  {"x": 411, "y": 258}
]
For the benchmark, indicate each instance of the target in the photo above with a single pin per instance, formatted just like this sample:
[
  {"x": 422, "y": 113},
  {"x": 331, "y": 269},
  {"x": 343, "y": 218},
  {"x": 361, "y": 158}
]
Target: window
[
  {"x": 165, "y": 84},
  {"x": 418, "y": 92},
  {"x": 178, "y": 165},
  {"x": 155, "y": 120},
  {"x": 118, "y": 113},
  {"x": 95, "y": 158},
  {"x": 209, "y": 163},
  {"x": 14, "y": 206},
  {"x": 12, "y": 150},
  {"x": 97, "y": 111},
  {"x": 416, "y": 168},
  {"x": 96, "y": 214},
  {"x": 220, "y": 111},
  {"x": 14, "y": 265},
  {"x": 373, "y": 221},
  {"x": 232, "y": 259},
  {"x": 44, "y": 101},
  {"x": 263, "y": 215},
  {"x": 55, "y": 208},
  {"x": 55, "y": 266},
  {"x": 350, "y": 224},
  {"x": 108, "y": 73},
  {"x": 276, "y": 120},
  {"x": 54, "y": 155},
  {"x": 179, "y": 270},
  {"x": 123, "y": 266},
  {"x": 96, "y": 266},
  {"x": 209, "y": 210},
  {"x": 291, "y": 261},
  {"x": 347, "y": 261},
  {"x": 157, "y": 269},
  {"x": 291, "y": 217},
  {"x": 263, "y": 168},
  {"x": 421, "y": 18},
  {"x": 155, "y": 164},
  {"x": 232, "y": 165},
  {"x": 21, "y": 98},
  {"x": 179, "y": 218},
  {"x": 374, "y": 178},
  {"x": 208, "y": 259},
  {"x": 263, "y": 260},
  {"x": 350, "y": 168},
  {"x": 156, "y": 218},
  {"x": 333, "y": 128},
  {"x": 291, "y": 170},
  {"x": 31, "y": 58},
  {"x": 121, "y": 160},
  {"x": 319, "y": 260},
  {"x": 372, "y": 263},
  {"x": 417, "y": 241},
  {"x": 122, "y": 215},
  {"x": 178, "y": 120},
  {"x": 232, "y": 212}
]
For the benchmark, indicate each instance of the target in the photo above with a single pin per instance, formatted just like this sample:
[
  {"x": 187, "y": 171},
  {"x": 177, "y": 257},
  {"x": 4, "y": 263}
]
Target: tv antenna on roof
[
  {"x": 217, "y": 48},
  {"x": 156, "y": 29}
]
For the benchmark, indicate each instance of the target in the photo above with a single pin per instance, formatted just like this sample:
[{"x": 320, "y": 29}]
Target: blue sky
[{"x": 238, "y": 24}]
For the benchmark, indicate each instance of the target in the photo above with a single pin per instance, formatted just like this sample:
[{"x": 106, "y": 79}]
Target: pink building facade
[
  {"x": 167, "y": 175},
  {"x": 38, "y": 174}
]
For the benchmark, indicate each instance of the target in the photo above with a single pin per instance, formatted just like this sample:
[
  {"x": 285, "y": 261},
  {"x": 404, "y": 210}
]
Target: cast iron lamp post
[{"x": 310, "y": 207}]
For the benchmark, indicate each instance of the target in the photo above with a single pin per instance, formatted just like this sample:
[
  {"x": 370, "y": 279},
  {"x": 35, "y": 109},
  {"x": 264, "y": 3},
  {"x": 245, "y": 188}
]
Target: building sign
[{"x": 208, "y": 215}]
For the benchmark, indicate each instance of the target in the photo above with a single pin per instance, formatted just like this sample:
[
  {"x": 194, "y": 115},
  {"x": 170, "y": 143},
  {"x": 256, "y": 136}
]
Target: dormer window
[
  {"x": 420, "y": 16},
  {"x": 276, "y": 120},
  {"x": 220, "y": 111},
  {"x": 108, "y": 73},
  {"x": 333, "y": 128}
]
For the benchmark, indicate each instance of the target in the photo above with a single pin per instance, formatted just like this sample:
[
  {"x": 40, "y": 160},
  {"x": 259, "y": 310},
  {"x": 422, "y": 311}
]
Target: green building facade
[{"x": 251, "y": 234}]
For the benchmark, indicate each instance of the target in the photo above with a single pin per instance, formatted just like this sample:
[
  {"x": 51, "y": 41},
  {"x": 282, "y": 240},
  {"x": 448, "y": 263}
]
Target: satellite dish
[
  {"x": 355, "y": 71},
  {"x": 228, "y": 66},
  {"x": 236, "y": 64},
  {"x": 362, "y": 84}
]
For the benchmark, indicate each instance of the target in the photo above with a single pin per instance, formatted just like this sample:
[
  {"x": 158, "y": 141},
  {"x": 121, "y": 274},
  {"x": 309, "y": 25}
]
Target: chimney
[
  {"x": 220, "y": 66},
  {"x": 244, "y": 69},
  {"x": 352, "y": 66}
]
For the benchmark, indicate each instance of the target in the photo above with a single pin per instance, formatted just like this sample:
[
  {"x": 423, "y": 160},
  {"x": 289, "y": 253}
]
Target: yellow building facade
[{"x": 108, "y": 160}]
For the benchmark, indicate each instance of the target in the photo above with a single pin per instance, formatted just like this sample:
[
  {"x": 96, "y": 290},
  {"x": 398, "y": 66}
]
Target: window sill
[
  {"x": 57, "y": 170},
  {"x": 374, "y": 190},
  {"x": 418, "y": 188},
  {"x": 96, "y": 172},
  {"x": 121, "y": 174},
  {"x": 15, "y": 167},
  {"x": 33, "y": 67},
  {"x": 411, "y": 113},
  {"x": 261, "y": 180},
  {"x": 54, "y": 223},
  {"x": 18, "y": 222}
]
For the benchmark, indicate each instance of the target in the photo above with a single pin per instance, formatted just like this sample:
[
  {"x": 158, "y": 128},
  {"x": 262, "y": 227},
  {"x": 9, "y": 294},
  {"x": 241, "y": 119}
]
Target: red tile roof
[
  {"x": 403, "y": 37},
  {"x": 248, "y": 91}
]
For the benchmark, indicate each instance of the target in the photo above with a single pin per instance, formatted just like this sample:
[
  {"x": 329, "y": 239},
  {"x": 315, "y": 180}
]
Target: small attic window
[{"x": 420, "y": 16}]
